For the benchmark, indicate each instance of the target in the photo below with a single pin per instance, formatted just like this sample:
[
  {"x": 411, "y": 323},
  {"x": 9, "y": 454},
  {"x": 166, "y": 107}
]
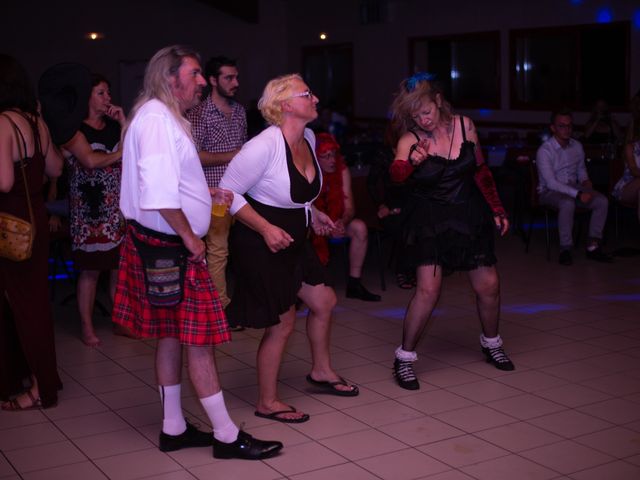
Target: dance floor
[{"x": 571, "y": 409}]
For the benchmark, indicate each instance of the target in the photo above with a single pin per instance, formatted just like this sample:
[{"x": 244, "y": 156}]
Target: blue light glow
[
  {"x": 455, "y": 74},
  {"x": 60, "y": 276},
  {"x": 485, "y": 112},
  {"x": 604, "y": 15},
  {"x": 636, "y": 19},
  {"x": 576, "y": 2},
  {"x": 540, "y": 225},
  {"x": 533, "y": 308},
  {"x": 390, "y": 313}
]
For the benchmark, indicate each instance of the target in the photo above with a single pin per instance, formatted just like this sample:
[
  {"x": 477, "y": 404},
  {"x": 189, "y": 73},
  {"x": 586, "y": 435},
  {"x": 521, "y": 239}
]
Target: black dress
[
  {"x": 447, "y": 221},
  {"x": 267, "y": 283}
]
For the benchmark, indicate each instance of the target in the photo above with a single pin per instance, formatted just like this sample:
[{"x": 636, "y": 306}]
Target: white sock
[
  {"x": 490, "y": 342},
  {"x": 405, "y": 355},
  {"x": 173, "y": 422},
  {"x": 224, "y": 429}
]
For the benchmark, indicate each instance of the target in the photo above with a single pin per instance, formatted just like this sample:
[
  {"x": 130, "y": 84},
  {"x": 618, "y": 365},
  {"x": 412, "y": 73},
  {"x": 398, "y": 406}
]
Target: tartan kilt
[{"x": 198, "y": 319}]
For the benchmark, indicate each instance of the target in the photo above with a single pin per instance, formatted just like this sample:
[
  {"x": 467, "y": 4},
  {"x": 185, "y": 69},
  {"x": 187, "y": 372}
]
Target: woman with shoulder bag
[{"x": 28, "y": 372}]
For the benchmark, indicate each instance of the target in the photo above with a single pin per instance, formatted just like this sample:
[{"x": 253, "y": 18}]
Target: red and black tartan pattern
[{"x": 198, "y": 320}]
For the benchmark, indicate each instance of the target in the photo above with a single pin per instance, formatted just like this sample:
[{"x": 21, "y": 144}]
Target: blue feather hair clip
[{"x": 418, "y": 77}]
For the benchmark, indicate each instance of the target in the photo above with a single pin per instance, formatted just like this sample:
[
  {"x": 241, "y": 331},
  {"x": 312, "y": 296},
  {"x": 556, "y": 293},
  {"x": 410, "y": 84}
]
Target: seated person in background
[
  {"x": 564, "y": 184},
  {"x": 602, "y": 127},
  {"x": 627, "y": 189},
  {"x": 336, "y": 200},
  {"x": 389, "y": 198}
]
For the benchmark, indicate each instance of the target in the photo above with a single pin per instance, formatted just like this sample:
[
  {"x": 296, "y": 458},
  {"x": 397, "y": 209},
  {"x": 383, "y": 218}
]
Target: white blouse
[{"x": 260, "y": 170}]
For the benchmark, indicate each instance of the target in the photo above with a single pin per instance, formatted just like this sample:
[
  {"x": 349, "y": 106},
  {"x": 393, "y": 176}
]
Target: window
[
  {"x": 328, "y": 70},
  {"x": 467, "y": 65},
  {"x": 570, "y": 66}
]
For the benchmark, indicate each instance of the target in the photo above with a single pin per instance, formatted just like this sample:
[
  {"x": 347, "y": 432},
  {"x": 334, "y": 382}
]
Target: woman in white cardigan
[{"x": 275, "y": 178}]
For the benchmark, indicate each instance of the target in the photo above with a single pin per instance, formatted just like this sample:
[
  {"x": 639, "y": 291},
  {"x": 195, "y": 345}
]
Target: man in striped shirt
[{"x": 219, "y": 128}]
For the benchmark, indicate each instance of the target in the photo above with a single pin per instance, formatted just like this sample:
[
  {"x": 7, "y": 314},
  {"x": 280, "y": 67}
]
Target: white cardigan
[{"x": 260, "y": 170}]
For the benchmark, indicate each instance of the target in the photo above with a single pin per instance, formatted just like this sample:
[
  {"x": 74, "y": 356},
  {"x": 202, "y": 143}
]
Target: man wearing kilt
[{"x": 164, "y": 290}]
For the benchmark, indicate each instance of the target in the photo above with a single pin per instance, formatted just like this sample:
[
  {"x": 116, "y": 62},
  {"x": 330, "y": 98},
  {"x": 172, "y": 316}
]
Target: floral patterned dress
[{"x": 97, "y": 226}]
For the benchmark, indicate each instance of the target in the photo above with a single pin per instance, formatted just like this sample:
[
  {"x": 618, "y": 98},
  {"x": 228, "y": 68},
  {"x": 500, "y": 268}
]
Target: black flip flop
[
  {"x": 274, "y": 416},
  {"x": 330, "y": 387}
]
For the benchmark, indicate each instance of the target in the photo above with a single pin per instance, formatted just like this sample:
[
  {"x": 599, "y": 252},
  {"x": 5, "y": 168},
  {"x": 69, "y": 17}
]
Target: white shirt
[
  {"x": 260, "y": 170},
  {"x": 161, "y": 170},
  {"x": 561, "y": 169}
]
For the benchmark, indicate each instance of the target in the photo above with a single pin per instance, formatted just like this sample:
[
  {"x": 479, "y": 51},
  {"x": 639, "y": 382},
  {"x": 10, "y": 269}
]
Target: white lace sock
[
  {"x": 490, "y": 342},
  {"x": 406, "y": 356},
  {"x": 173, "y": 422}
]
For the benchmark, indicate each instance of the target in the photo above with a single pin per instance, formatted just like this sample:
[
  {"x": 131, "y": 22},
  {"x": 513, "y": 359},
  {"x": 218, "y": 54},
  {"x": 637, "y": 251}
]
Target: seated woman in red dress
[{"x": 336, "y": 200}]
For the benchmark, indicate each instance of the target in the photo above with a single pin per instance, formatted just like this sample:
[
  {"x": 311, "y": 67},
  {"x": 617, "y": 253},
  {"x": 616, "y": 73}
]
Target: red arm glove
[
  {"x": 400, "y": 170},
  {"x": 484, "y": 181}
]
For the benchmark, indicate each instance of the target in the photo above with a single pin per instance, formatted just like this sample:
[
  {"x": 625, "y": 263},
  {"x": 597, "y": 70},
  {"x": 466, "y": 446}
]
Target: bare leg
[
  {"x": 486, "y": 285},
  {"x": 357, "y": 232},
  {"x": 86, "y": 293},
  {"x": 421, "y": 306},
  {"x": 269, "y": 359},
  {"x": 201, "y": 363},
  {"x": 168, "y": 361},
  {"x": 321, "y": 300}
]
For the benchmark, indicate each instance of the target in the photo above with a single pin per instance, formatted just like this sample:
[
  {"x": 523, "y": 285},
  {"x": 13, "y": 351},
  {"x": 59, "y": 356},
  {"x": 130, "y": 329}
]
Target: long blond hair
[{"x": 163, "y": 66}]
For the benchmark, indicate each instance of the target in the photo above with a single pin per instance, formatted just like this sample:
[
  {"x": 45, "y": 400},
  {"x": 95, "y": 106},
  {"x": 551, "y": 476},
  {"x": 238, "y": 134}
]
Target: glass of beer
[{"x": 220, "y": 205}]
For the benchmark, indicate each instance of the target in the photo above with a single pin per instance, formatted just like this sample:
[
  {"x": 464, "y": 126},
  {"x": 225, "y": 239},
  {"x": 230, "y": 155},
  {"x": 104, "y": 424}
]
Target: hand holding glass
[{"x": 221, "y": 200}]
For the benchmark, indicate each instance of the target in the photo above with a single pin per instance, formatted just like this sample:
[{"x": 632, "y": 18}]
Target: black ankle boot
[
  {"x": 405, "y": 375},
  {"x": 355, "y": 289}
]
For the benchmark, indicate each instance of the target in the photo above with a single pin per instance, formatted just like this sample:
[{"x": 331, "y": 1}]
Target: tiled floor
[{"x": 571, "y": 409}]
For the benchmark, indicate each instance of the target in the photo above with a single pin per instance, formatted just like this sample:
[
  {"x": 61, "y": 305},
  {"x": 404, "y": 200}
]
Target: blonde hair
[
  {"x": 157, "y": 81},
  {"x": 275, "y": 92},
  {"x": 408, "y": 100}
]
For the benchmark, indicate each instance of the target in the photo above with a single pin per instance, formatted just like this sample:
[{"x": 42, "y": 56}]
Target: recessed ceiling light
[{"x": 94, "y": 36}]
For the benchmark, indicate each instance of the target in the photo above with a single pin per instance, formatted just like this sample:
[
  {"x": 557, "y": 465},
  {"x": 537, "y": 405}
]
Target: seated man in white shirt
[{"x": 564, "y": 184}]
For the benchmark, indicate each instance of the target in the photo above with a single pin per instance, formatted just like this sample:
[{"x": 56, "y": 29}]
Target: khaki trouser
[
  {"x": 566, "y": 205},
  {"x": 217, "y": 241}
]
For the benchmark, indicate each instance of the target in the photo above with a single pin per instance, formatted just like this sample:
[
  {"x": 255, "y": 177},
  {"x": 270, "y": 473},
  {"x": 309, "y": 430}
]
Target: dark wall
[{"x": 43, "y": 34}]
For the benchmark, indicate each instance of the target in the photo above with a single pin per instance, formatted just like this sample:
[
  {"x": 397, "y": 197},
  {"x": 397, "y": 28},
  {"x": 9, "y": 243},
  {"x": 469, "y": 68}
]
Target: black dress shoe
[
  {"x": 599, "y": 255},
  {"x": 357, "y": 290},
  {"x": 565, "y": 258},
  {"x": 191, "y": 437},
  {"x": 246, "y": 447}
]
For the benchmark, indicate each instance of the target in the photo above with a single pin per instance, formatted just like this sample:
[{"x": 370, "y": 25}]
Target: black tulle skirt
[{"x": 455, "y": 236}]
